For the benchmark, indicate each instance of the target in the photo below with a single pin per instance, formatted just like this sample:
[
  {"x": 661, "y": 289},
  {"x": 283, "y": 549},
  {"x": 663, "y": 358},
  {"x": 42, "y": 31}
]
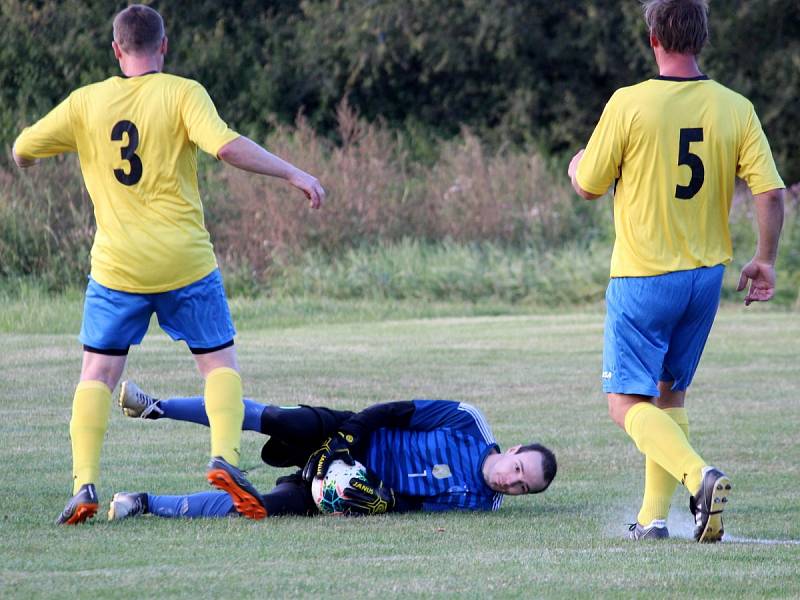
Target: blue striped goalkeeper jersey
[{"x": 438, "y": 457}]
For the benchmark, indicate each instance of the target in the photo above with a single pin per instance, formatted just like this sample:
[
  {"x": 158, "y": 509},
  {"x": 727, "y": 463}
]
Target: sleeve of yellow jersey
[
  {"x": 602, "y": 159},
  {"x": 756, "y": 165},
  {"x": 52, "y": 134},
  {"x": 205, "y": 127}
]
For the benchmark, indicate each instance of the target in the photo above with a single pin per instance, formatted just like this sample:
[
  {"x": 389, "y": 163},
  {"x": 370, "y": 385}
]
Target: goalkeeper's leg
[
  {"x": 134, "y": 402},
  {"x": 295, "y": 423},
  {"x": 189, "y": 506},
  {"x": 297, "y": 431},
  {"x": 290, "y": 496},
  {"x": 301, "y": 424}
]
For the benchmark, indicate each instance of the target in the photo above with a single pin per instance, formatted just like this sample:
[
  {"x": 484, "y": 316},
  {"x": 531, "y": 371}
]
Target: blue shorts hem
[
  {"x": 632, "y": 390},
  {"x": 681, "y": 386},
  {"x": 209, "y": 348}
]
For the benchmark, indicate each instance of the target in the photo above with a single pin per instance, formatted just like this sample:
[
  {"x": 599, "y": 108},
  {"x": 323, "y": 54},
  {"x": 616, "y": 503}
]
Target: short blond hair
[
  {"x": 138, "y": 30},
  {"x": 681, "y": 26}
]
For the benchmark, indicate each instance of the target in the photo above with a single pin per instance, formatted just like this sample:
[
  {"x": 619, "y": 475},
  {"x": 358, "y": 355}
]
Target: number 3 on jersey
[
  {"x": 128, "y": 153},
  {"x": 685, "y": 157}
]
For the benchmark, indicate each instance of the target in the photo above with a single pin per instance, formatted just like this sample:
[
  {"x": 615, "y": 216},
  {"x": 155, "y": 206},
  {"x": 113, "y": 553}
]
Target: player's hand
[
  {"x": 336, "y": 447},
  {"x": 364, "y": 498},
  {"x": 310, "y": 186},
  {"x": 761, "y": 276}
]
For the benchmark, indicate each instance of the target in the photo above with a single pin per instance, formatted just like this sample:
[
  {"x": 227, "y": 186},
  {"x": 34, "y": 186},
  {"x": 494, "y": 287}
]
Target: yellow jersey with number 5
[
  {"x": 137, "y": 141},
  {"x": 672, "y": 148}
]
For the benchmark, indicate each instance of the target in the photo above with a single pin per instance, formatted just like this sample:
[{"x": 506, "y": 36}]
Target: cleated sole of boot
[
  {"x": 714, "y": 530},
  {"x": 82, "y": 513},
  {"x": 244, "y": 502}
]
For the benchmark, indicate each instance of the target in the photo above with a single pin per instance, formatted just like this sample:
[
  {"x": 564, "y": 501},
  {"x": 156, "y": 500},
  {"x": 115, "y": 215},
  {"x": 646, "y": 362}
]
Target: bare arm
[
  {"x": 572, "y": 171},
  {"x": 760, "y": 271},
  {"x": 22, "y": 162},
  {"x": 243, "y": 153}
]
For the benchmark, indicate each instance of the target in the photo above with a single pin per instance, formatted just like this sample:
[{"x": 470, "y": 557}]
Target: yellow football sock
[
  {"x": 225, "y": 410},
  {"x": 87, "y": 427},
  {"x": 659, "y": 485},
  {"x": 658, "y": 437}
]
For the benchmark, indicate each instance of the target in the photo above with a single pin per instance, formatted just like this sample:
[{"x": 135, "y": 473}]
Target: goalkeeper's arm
[
  {"x": 354, "y": 430},
  {"x": 393, "y": 415},
  {"x": 368, "y": 498}
]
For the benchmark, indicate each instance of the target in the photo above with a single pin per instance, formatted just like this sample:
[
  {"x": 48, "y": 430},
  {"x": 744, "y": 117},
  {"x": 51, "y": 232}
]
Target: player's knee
[
  {"x": 109, "y": 379},
  {"x": 617, "y": 411},
  {"x": 103, "y": 367}
]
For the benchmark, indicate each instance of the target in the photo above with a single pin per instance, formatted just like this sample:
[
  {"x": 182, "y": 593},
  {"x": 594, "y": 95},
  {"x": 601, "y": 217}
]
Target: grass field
[{"x": 535, "y": 377}]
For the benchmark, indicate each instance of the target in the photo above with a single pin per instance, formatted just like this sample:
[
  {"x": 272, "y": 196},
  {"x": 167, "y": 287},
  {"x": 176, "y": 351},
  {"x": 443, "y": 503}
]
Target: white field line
[
  {"x": 680, "y": 526},
  {"x": 766, "y": 542}
]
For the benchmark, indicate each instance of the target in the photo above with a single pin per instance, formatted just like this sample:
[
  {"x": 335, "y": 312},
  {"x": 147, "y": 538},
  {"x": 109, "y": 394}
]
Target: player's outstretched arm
[
  {"x": 760, "y": 271},
  {"x": 243, "y": 153}
]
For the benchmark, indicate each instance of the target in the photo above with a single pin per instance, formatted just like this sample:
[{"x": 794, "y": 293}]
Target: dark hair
[
  {"x": 138, "y": 29},
  {"x": 681, "y": 26},
  {"x": 549, "y": 465}
]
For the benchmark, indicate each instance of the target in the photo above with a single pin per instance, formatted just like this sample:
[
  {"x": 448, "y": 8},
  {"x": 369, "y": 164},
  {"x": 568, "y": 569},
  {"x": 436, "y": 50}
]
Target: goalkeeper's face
[{"x": 515, "y": 474}]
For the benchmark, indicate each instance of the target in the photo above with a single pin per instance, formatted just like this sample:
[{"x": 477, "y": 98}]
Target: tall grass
[
  {"x": 46, "y": 224},
  {"x": 478, "y": 271},
  {"x": 476, "y": 222},
  {"x": 377, "y": 194}
]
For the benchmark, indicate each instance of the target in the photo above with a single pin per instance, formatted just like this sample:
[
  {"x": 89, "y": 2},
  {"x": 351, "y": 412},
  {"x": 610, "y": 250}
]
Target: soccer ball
[{"x": 328, "y": 492}]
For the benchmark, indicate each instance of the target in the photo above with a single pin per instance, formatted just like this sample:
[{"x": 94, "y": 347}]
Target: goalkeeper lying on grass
[{"x": 431, "y": 455}]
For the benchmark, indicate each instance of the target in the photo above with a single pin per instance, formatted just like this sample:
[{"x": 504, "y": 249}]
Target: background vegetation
[
  {"x": 523, "y": 71},
  {"x": 476, "y": 225},
  {"x": 441, "y": 130}
]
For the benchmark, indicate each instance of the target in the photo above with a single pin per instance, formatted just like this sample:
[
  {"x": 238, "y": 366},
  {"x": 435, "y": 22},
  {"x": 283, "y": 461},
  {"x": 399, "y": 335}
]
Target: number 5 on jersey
[
  {"x": 685, "y": 157},
  {"x": 128, "y": 153}
]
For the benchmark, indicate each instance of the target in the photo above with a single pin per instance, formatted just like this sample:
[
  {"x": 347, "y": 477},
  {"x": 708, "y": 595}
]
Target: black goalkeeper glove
[
  {"x": 364, "y": 498},
  {"x": 336, "y": 447}
]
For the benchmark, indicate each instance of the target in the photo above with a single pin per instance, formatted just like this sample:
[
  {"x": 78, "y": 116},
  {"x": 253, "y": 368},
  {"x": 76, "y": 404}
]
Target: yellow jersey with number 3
[
  {"x": 672, "y": 148},
  {"x": 137, "y": 141}
]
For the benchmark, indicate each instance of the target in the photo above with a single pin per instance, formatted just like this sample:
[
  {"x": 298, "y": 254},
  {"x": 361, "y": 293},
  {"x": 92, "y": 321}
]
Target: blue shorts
[
  {"x": 197, "y": 314},
  {"x": 656, "y": 329}
]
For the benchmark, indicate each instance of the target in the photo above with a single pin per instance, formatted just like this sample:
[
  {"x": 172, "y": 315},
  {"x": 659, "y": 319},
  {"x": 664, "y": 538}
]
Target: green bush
[
  {"x": 521, "y": 72},
  {"x": 46, "y": 224}
]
